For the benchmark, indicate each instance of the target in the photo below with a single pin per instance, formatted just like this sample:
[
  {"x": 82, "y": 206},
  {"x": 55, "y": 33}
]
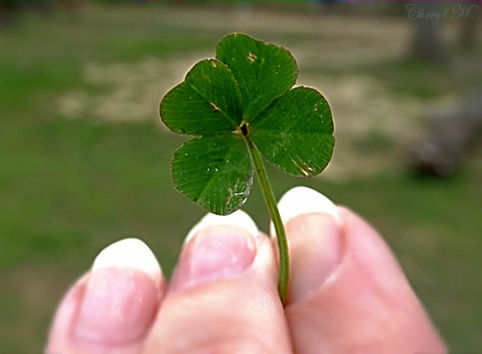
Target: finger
[
  {"x": 223, "y": 296},
  {"x": 111, "y": 309},
  {"x": 347, "y": 292}
]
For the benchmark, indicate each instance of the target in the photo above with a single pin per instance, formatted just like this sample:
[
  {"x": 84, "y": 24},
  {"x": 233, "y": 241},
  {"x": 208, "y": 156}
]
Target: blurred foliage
[{"x": 68, "y": 187}]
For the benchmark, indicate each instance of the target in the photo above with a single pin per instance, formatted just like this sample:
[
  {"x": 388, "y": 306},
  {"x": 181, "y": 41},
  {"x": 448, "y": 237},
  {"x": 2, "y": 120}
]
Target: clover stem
[{"x": 275, "y": 217}]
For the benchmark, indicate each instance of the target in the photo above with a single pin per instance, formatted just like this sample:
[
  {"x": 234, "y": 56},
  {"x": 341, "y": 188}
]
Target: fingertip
[
  {"x": 129, "y": 253},
  {"x": 239, "y": 219},
  {"x": 112, "y": 307},
  {"x": 303, "y": 200},
  {"x": 215, "y": 248},
  {"x": 367, "y": 290},
  {"x": 225, "y": 284}
]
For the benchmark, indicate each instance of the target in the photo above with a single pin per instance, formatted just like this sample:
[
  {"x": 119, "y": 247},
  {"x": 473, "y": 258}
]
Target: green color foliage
[
  {"x": 215, "y": 171},
  {"x": 295, "y": 133},
  {"x": 207, "y": 102},
  {"x": 244, "y": 96},
  {"x": 263, "y": 71}
]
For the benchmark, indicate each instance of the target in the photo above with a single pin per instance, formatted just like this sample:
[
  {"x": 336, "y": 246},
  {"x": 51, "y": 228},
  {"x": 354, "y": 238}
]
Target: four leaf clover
[{"x": 238, "y": 104}]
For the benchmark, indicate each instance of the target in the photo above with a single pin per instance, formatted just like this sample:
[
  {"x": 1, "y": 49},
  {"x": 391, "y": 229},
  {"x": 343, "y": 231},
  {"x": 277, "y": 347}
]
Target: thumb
[{"x": 347, "y": 292}]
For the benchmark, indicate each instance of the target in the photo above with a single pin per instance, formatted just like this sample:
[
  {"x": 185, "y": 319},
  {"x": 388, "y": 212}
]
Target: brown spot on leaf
[
  {"x": 252, "y": 57},
  {"x": 213, "y": 106}
]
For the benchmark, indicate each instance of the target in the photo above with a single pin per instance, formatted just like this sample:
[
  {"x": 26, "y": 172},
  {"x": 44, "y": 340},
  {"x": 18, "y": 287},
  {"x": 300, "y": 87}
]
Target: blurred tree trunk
[
  {"x": 469, "y": 25},
  {"x": 426, "y": 41}
]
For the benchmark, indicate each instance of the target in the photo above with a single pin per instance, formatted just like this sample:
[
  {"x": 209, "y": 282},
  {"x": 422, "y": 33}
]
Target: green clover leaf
[
  {"x": 263, "y": 71},
  {"x": 214, "y": 171},
  {"x": 240, "y": 107}
]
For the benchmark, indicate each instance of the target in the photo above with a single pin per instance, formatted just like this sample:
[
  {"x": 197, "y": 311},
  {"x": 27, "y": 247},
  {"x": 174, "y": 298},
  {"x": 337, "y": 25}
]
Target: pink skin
[
  {"x": 364, "y": 304},
  {"x": 347, "y": 295},
  {"x": 109, "y": 311}
]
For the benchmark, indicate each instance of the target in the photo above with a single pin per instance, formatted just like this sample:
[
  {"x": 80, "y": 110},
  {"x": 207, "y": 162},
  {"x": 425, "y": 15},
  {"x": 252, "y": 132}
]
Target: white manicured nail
[
  {"x": 120, "y": 298},
  {"x": 129, "y": 253},
  {"x": 304, "y": 200},
  {"x": 217, "y": 247},
  {"x": 237, "y": 219}
]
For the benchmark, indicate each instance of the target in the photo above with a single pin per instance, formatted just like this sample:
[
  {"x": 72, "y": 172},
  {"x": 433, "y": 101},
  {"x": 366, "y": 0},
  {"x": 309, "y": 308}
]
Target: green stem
[{"x": 284, "y": 264}]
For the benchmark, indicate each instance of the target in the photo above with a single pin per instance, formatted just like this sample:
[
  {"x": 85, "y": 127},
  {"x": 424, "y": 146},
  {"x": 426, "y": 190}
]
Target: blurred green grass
[{"x": 70, "y": 187}]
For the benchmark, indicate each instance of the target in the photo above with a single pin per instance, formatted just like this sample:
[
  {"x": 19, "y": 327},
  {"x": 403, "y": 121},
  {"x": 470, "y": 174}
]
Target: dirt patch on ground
[
  {"x": 369, "y": 119},
  {"x": 124, "y": 91},
  {"x": 129, "y": 91}
]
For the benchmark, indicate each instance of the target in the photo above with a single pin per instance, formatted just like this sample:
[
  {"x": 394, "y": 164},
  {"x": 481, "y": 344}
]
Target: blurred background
[{"x": 84, "y": 159}]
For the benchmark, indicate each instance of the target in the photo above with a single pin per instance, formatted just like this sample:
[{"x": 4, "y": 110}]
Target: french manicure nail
[
  {"x": 239, "y": 219},
  {"x": 121, "y": 296},
  {"x": 217, "y": 247},
  {"x": 313, "y": 228},
  {"x": 303, "y": 200}
]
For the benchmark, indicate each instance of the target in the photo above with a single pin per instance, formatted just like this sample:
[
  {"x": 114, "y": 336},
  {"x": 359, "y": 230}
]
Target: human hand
[{"x": 347, "y": 293}]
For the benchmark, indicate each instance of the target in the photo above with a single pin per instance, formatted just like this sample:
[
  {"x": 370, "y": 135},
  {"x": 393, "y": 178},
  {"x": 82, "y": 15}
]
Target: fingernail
[
  {"x": 239, "y": 219},
  {"x": 121, "y": 295},
  {"x": 313, "y": 228},
  {"x": 304, "y": 200},
  {"x": 217, "y": 247}
]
